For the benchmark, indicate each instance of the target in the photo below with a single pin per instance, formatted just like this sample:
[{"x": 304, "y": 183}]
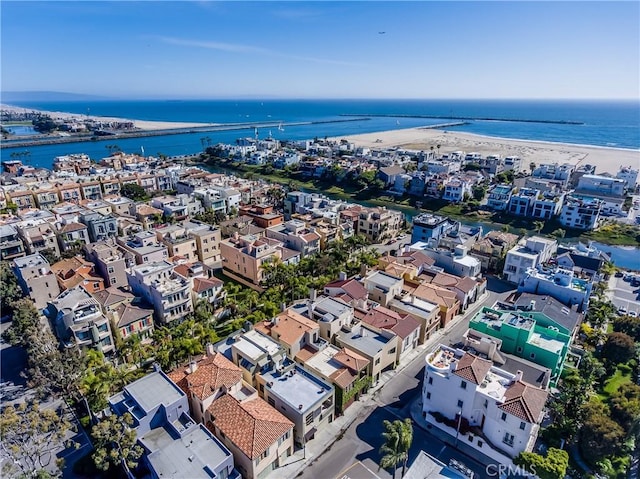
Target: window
[
  {"x": 508, "y": 439},
  {"x": 392, "y": 351},
  {"x": 519, "y": 349},
  {"x": 523, "y": 425},
  {"x": 430, "y": 381},
  {"x": 377, "y": 361},
  {"x": 533, "y": 355},
  {"x": 428, "y": 395},
  {"x": 309, "y": 419},
  {"x": 504, "y": 416},
  {"x": 110, "y": 269},
  {"x": 463, "y": 384},
  {"x": 271, "y": 401},
  {"x": 460, "y": 403}
]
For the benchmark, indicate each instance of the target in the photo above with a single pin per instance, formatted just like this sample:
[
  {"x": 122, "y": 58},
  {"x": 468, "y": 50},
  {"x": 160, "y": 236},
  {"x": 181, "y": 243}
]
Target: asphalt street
[{"x": 363, "y": 439}]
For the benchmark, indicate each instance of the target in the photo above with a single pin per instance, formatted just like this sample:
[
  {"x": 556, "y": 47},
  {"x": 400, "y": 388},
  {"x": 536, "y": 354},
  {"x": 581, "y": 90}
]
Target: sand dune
[{"x": 605, "y": 159}]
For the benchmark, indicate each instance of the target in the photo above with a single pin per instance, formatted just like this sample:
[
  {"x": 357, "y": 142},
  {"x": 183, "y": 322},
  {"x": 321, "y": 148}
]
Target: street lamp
[{"x": 458, "y": 427}]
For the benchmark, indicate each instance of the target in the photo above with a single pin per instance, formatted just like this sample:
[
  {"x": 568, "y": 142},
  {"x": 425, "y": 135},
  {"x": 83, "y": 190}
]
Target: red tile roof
[
  {"x": 204, "y": 284},
  {"x": 213, "y": 372},
  {"x": 524, "y": 401},
  {"x": 472, "y": 368},
  {"x": 253, "y": 425}
]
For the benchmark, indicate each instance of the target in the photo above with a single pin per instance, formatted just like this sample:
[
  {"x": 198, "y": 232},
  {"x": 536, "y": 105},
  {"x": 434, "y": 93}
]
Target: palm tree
[
  {"x": 392, "y": 449},
  {"x": 538, "y": 226}
]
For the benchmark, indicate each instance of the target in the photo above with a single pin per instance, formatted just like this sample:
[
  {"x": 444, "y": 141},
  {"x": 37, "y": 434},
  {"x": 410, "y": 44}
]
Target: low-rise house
[
  {"x": 427, "y": 226},
  {"x": 259, "y": 436},
  {"x": 382, "y": 287},
  {"x": 263, "y": 215},
  {"x": 145, "y": 214},
  {"x": 204, "y": 285},
  {"x": 207, "y": 240},
  {"x": 378, "y": 224},
  {"x": 580, "y": 212},
  {"x": 380, "y": 349},
  {"x": 76, "y": 271},
  {"x": 110, "y": 261},
  {"x": 403, "y": 325},
  {"x": 528, "y": 253},
  {"x": 522, "y": 201},
  {"x": 456, "y": 189},
  {"x": 496, "y": 412},
  {"x": 295, "y": 235},
  {"x": 243, "y": 225},
  {"x": 521, "y": 335},
  {"x": 128, "y": 315},
  {"x": 629, "y": 175},
  {"x": 302, "y": 397},
  {"x": 178, "y": 241},
  {"x": 179, "y": 207},
  {"x": 560, "y": 283},
  {"x": 351, "y": 291},
  {"x": 38, "y": 235},
  {"x": 499, "y": 197},
  {"x": 78, "y": 320},
  {"x": 120, "y": 205},
  {"x": 36, "y": 279},
  {"x": 513, "y": 163},
  {"x": 547, "y": 205},
  {"x": 581, "y": 259},
  {"x": 427, "y": 314},
  {"x": 345, "y": 369},
  {"x": 292, "y": 331},
  {"x": 457, "y": 262},
  {"x": 493, "y": 248},
  {"x": 331, "y": 314},
  {"x": 11, "y": 246},
  {"x": 206, "y": 379},
  {"x": 72, "y": 234},
  {"x": 555, "y": 173},
  {"x": 244, "y": 257},
  {"x": 143, "y": 247},
  {"x": 174, "y": 445},
  {"x": 251, "y": 351},
  {"x": 465, "y": 288},
  {"x": 601, "y": 185},
  {"x": 99, "y": 226},
  {"x": 167, "y": 292},
  {"x": 446, "y": 300}
]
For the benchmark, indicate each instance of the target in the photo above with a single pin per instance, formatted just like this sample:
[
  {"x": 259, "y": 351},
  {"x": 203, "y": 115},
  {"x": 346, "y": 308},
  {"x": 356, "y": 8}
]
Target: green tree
[
  {"x": 10, "y": 291},
  {"x": 26, "y": 321},
  {"x": 31, "y": 435},
  {"x": 625, "y": 405},
  {"x": 134, "y": 192},
  {"x": 553, "y": 465},
  {"x": 559, "y": 233},
  {"x": 600, "y": 436},
  {"x": 392, "y": 449},
  {"x": 115, "y": 443},
  {"x": 618, "y": 348},
  {"x": 628, "y": 325},
  {"x": 479, "y": 192}
]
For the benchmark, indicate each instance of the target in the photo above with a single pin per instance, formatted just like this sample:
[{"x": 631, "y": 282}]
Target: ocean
[{"x": 604, "y": 123}]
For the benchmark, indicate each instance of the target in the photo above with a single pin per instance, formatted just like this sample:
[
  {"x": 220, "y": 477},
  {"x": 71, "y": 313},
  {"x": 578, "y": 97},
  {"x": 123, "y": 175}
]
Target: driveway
[{"x": 624, "y": 295}]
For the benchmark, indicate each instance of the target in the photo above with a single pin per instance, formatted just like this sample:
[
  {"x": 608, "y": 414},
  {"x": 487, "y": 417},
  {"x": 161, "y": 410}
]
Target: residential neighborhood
[{"x": 246, "y": 321}]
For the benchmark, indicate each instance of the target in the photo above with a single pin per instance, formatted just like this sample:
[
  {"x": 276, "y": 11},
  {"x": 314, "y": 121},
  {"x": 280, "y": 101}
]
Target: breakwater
[
  {"x": 471, "y": 118},
  {"x": 163, "y": 132}
]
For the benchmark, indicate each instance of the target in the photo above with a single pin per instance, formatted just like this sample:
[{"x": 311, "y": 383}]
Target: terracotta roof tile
[
  {"x": 213, "y": 372},
  {"x": 472, "y": 368},
  {"x": 524, "y": 401},
  {"x": 253, "y": 425},
  {"x": 351, "y": 359},
  {"x": 305, "y": 353},
  {"x": 204, "y": 284}
]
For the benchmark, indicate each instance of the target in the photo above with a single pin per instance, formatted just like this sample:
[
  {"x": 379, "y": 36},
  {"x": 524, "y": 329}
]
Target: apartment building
[
  {"x": 143, "y": 247},
  {"x": 244, "y": 257},
  {"x": 78, "y": 320},
  {"x": 492, "y": 248},
  {"x": 167, "y": 292},
  {"x": 427, "y": 226},
  {"x": 562, "y": 284},
  {"x": 295, "y": 235},
  {"x": 580, "y": 212},
  {"x": 522, "y": 201},
  {"x": 382, "y": 287},
  {"x": 379, "y": 224},
  {"x": 110, "y": 261},
  {"x": 499, "y": 197},
  {"x": 11, "y": 245},
  {"x": 36, "y": 279}
]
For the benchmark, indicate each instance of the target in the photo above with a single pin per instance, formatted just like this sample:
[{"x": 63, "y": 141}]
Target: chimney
[
  {"x": 312, "y": 294},
  {"x": 518, "y": 376},
  {"x": 193, "y": 366},
  {"x": 283, "y": 307},
  {"x": 210, "y": 349},
  {"x": 342, "y": 276},
  {"x": 532, "y": 305}
]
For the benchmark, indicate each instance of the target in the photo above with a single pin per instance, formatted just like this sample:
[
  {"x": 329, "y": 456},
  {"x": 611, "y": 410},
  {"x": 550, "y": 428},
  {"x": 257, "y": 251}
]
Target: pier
[
  {"x": 116, "y": 135},
  {"x": 470, "y": 118}
]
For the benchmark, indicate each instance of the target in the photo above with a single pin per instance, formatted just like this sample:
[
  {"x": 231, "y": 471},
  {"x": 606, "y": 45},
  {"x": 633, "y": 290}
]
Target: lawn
[{"x": 614, "y": 383}]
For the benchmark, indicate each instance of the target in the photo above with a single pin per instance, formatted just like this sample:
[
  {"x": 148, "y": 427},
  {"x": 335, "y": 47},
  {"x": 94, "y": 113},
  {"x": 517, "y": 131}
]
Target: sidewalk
[{"x": 325, "y": 438}]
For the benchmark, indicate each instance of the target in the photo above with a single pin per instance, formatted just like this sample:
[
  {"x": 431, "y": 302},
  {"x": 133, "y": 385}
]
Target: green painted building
[{"x": 528, "y": 335}]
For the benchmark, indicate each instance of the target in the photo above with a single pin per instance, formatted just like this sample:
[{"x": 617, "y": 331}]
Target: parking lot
[{"x": 625, "y": 293}]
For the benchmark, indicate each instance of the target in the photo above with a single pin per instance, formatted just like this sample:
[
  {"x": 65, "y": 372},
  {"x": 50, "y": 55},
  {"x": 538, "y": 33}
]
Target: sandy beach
[
  {"x": 140, "y": 124},
  {"x": 605, "y": 159}
]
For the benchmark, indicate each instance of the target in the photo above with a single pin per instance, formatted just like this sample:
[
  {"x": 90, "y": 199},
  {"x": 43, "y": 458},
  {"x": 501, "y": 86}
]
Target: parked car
[
  {"x": 619, "y": 274},
  {"x": 633, "y": 314},
  {"x": 622, "y": 311}
]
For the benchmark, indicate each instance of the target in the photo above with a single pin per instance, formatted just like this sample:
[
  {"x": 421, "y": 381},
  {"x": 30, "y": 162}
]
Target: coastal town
[{"x": 166, "y": 320}]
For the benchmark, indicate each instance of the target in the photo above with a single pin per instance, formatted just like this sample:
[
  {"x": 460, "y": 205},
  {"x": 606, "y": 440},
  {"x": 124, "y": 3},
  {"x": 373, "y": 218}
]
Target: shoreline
[
  {"x": 605, "y": 159},
  {"x": 140, "y": 125}
]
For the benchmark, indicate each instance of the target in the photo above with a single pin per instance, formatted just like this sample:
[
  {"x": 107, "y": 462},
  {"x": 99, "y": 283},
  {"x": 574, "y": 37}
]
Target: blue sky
[{"x": 497, "y": 49}]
